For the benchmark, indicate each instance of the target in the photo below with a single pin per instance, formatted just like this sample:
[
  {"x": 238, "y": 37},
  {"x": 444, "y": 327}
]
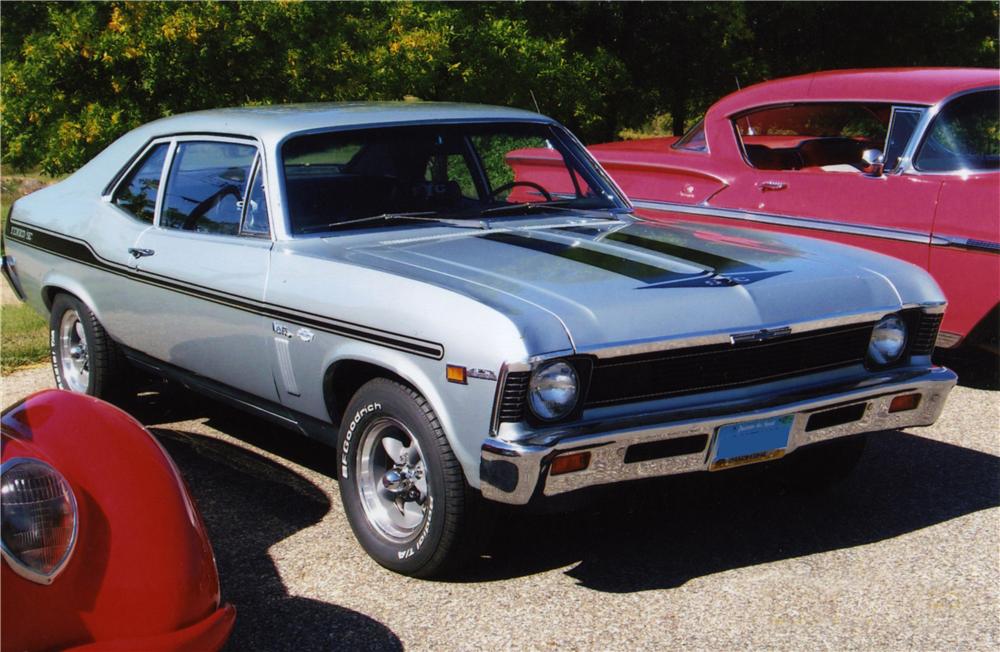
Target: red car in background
[
  {"x": 103, "y": 548},
  {"x": 901, "y": 161}
]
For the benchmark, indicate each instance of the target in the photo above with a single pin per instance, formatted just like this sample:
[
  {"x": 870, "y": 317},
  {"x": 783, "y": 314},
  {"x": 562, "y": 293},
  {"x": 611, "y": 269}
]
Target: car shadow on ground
[
  {"x": 656, "y": 534},
  {"x": 976, "y": 369},
  {"x": 660, "y": 534},
  {"x": 249, "y": 503}
]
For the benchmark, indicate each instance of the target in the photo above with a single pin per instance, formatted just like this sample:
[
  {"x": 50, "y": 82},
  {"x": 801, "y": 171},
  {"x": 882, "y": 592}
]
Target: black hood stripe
[
  {"x": 720, "y": 264},
  {"x": 644, "y": 272}
]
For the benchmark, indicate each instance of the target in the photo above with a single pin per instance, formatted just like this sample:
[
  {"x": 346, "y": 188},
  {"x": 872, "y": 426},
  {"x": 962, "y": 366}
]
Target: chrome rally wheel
[
  {"x": 73, "y": 352},
  {"x": 403, "y": 490},
  {"x": 392, "y": 480}
]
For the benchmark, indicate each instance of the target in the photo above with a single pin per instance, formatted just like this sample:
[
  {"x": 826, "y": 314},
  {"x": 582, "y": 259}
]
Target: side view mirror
[{"x": 874, "y": 162}]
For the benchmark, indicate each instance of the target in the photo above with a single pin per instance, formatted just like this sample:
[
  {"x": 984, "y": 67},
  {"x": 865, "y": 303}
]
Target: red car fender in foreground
[{"x": 142, "y": 573}]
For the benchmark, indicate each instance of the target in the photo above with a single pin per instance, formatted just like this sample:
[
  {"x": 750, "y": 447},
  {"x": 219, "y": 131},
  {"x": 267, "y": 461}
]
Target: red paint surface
[
  {"x": 945, "y": 204},
  {"x": 143, "y": 569}
]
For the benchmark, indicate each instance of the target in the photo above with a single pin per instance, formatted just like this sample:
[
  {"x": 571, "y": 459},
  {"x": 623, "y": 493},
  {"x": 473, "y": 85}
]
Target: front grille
[
  {"x": 925, "y": 334},
  {"x": 720, "y": 366},
  {"x": 663, "y": 374}
]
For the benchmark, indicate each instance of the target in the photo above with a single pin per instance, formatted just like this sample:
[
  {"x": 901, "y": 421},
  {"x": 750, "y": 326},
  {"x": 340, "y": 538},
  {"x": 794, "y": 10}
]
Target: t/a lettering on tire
[{"x": 402, "y": 489}]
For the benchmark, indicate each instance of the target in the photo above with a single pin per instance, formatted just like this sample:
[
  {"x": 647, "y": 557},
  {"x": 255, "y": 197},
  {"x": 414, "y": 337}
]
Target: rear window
[{"x": 137, "y": 193}]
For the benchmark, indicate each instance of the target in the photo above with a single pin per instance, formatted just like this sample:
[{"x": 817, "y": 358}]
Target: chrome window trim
[
  {"x": 892, "y": 123},
  {"x": 906, "y": 160},
  {"x": 127, "y": 171},
  {"x": 256, "y": 169},
  {"x": 736, "y": 116},
  {"x": 210, "y": 138},
  {"x": 15, "y": 564},
  {"x": 677, "y": 145}
]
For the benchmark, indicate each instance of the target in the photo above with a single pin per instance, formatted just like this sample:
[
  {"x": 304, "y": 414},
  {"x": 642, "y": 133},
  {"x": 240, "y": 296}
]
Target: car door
[
  {"x": 960, "y": 149},
  {"x": 127, "y": 209},
  {"x": 792, "y": 171},
  {"x": 206, "y": 264}
]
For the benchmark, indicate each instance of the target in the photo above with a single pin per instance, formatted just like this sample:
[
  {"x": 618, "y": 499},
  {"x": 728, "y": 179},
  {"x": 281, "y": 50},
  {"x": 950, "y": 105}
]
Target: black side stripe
[
  {"x": 81, "y": 252},
  {"x": 644, "y": 272}
]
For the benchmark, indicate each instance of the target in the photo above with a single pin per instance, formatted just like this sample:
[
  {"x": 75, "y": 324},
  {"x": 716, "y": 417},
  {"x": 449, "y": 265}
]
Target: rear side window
[
  {"x": 137, "y": 193},
  {"x": 206, "y": 187},
  {"x": 965, "y": 135}
]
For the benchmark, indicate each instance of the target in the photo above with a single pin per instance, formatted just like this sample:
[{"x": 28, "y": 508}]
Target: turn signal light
[
  {"x": 904, "y": 403},
  {"x": 569, "y": 463},
  {"x": 456, "y": 374}
]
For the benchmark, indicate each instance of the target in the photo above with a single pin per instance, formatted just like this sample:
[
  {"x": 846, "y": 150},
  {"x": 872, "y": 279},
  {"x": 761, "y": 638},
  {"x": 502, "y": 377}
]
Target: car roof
[
  {"x": 897, "y": 85},
  {"x": 278, "y": 121}
]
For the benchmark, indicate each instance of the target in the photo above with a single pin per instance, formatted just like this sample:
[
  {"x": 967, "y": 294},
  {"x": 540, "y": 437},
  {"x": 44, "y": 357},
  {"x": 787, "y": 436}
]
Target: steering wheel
[
  {"x": 209, "y": 203},
  {"x": 513, "y": 184}
]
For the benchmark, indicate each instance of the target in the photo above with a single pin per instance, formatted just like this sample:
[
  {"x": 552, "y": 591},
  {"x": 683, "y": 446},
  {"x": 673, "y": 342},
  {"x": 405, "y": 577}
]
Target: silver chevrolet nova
[{"x": 388, "y": 279}]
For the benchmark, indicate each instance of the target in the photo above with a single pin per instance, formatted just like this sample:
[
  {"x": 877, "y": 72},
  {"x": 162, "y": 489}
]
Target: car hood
[{"x": 617, "y": 281}]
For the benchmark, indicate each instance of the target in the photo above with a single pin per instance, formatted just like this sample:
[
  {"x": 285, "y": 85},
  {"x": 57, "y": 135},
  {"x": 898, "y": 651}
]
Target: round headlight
[
  {"x": 888, "y": 340},
  {"x": 39, "y": 521},
  {"x": 553, "y": 390}
]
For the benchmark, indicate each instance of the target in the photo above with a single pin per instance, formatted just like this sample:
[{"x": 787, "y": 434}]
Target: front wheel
[
  {"x": 84, "y": 358},
  {"x": 403, "y": 491}
]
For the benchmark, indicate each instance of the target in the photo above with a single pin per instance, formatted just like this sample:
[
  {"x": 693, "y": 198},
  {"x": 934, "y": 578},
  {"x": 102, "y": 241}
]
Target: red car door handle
[{"x": 771, "y": 185}]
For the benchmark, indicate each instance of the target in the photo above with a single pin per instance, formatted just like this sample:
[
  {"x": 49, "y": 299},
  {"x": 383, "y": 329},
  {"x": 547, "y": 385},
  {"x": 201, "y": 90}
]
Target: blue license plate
[{"x": 751, "y": 441}]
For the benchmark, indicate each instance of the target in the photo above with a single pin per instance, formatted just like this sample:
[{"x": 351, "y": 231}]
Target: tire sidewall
[
  {"x": 60, "y": 306},
  {"x": 385, "y": 399}
]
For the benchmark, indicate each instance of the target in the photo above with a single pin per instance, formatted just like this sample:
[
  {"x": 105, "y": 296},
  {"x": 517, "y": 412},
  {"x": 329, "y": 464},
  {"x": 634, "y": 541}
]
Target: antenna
[
  {"x": 537, "y": 110},
  {"x": 737, "y": 78}
]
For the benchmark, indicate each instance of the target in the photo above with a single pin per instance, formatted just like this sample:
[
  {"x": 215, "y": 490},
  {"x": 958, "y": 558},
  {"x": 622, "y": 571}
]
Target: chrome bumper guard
[{"x": 515, "y": 472}]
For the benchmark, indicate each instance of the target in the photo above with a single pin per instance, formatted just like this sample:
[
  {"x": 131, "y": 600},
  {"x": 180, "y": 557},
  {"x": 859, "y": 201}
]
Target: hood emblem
[{"x": 763, "y": 335}]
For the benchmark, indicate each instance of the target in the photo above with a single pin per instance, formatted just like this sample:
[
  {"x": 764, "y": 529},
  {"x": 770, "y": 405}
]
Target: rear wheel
[
  {"x": 84, "y": 358},
  {"x": 403, "y": 491}
]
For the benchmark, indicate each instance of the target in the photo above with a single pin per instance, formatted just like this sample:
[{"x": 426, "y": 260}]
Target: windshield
[{"x": 453, "y": 170}]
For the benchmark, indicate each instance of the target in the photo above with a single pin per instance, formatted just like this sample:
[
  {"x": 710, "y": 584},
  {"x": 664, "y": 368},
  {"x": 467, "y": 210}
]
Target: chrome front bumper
[{"x": 515, "y": 472}]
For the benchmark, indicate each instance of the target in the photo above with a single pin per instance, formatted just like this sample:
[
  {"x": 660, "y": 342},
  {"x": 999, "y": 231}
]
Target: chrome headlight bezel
[
  {"x": 16, "y": 563},
  {"x": 888, "y": 342},
  {"x": 553, "y": 377}
]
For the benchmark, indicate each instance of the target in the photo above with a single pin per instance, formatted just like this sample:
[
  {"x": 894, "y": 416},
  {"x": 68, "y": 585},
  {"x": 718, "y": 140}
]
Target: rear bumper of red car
[{"x": 203, "y": 636}]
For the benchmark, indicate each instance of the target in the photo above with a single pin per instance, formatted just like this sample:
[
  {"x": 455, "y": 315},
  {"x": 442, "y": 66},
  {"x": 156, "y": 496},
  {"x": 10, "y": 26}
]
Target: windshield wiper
[
  {"x": 525, "y": 207},
  {"x": 420, "y": 216}
]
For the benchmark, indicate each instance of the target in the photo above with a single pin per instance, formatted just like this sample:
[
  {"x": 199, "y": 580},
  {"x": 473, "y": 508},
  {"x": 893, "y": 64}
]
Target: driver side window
[{"x": 206, "y": 187}]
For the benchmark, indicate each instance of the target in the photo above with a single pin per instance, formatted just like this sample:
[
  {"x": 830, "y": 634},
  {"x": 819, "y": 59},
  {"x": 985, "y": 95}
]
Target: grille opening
[
  {"x": 836, "y": 416},
  {"x": 720, "y": 366},
  {"x": 655, "y": 450}
]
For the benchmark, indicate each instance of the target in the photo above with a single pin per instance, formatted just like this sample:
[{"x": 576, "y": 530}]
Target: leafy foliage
[{"x": 77, "y": 75}]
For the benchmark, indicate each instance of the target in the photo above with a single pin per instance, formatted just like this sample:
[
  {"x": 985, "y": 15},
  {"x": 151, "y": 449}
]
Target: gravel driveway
[{"x": 902, "y": 555}]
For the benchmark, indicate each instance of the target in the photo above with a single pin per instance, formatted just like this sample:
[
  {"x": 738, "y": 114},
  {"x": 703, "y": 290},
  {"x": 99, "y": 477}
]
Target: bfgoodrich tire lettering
[
  {"x": 403, "y": 491},
  {"x": 84, "y": 358}
]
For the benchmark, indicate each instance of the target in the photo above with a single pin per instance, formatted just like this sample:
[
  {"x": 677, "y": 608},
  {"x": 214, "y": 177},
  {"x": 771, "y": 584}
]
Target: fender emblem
[{"x": 763, "y": 335}]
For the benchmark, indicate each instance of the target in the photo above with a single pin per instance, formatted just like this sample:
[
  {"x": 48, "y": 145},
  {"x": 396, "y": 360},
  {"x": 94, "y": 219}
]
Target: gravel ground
[{"x": 904, "y": 555}]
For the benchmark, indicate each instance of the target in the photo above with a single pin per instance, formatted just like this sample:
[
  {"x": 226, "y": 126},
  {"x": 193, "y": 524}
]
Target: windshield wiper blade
[
  {"x": 420, "y": 216},
  {"x": 525, "y": 207}
]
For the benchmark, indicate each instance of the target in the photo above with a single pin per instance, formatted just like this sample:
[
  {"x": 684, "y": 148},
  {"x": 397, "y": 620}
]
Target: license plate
[{"x": 751, "y": 441}]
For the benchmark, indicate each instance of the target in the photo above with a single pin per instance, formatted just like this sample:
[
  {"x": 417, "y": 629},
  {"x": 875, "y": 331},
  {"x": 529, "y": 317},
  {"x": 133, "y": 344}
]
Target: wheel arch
[{"x": 343, "y": 378}]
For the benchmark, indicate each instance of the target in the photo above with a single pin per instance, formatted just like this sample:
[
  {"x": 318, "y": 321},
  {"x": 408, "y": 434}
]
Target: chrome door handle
[
  {"x": 140, "y": 253},
  {"x": 772, "y": 185}
]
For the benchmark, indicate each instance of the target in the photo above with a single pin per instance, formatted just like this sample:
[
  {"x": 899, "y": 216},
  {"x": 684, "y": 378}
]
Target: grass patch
[{"x": 24, "y": 338}]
